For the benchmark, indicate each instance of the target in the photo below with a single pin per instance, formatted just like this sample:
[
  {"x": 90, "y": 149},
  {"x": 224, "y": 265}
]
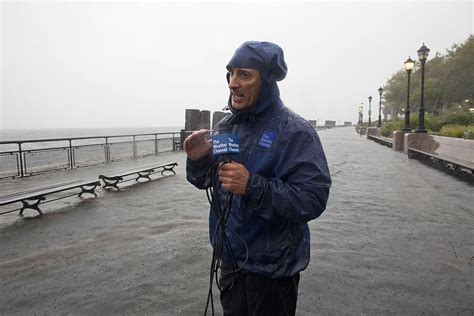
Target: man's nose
[{"x": 233, "y": 82}]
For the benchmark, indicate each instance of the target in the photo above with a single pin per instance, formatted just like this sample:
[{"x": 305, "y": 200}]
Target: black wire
[{"x": 221, "y": 239}]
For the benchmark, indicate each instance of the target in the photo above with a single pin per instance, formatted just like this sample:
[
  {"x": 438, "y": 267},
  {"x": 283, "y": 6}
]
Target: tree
[
  {"x": 395, "y": 93},
  {"x": 457, "y": 82},
  {"x": 449, "y": 79}
]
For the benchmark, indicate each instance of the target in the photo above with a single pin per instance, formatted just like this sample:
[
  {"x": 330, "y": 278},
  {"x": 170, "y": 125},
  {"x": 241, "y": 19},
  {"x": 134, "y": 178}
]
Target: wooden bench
[
  {"x": 111, "y": 180},
  {"x": 34, "y": 197}
]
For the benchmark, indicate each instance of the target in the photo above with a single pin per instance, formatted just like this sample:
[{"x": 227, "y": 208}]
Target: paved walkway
[{"x": 397, "y": 238}]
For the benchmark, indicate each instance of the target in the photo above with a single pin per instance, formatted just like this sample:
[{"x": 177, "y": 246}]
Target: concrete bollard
[
  {"x": 398, "y": 140},
  {"x": 329, "y": 124},
  {"x": 415, "y": 140},
  {"x": 205, "y": 120},
  {"x": 196, "y": 120},
  {"x": 374, "y": 131},
  {"x": 182, "y": 137},
  {"x": 193, "y": 118},
  {"x": 217, "y": 116}
]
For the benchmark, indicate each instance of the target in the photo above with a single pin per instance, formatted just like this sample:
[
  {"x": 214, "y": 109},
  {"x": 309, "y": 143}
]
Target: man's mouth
[{"x": 237, "y": 96}]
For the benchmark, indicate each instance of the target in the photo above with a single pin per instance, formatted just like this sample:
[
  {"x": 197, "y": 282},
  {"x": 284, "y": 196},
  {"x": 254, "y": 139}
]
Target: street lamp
[
  {"x": 422, "y": 56},
  {"x": 380, "y": 107},
  {"x": 370, "y": 110},
  {"x": 409, "y": 64}
]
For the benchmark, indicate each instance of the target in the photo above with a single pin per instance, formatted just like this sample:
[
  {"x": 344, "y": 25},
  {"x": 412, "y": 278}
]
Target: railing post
[
  {"x": 17, "y": 165},
  {"x": 20, "y": 152},
  {"x": 156, "y": 144},
  {"x": 107, "y": 150},
  {"x": 25, "y": 165},
  {"x": 181, "y": 140},
  {"x": 71, "y": 156},
  {"x": 134, "y": 146}
]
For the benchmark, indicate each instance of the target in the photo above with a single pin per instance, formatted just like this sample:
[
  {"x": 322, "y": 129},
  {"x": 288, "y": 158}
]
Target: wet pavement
[{"x": 396, "y": 238}]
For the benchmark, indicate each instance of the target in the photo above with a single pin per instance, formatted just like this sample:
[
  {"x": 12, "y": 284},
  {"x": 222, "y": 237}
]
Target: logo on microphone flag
[{"x": 225, "y": 143}]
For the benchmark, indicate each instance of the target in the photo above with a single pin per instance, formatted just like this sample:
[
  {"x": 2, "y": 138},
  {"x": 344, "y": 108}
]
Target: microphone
[{"x": 224, "y": 142}]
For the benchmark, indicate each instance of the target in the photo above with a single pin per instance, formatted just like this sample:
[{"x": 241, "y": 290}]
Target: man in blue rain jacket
[{"x": 280, "y": 181}]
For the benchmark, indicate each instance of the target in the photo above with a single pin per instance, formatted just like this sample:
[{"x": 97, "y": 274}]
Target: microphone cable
[{"x": 221, "y": 239}]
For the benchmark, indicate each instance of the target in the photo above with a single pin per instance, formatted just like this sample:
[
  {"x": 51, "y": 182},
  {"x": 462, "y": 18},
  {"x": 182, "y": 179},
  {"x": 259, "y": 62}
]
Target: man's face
[{"x": 244, "y": 85}]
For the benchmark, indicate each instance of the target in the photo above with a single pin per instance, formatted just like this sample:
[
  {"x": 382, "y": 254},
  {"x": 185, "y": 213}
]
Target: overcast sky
[{"x": 125, "y": 64}]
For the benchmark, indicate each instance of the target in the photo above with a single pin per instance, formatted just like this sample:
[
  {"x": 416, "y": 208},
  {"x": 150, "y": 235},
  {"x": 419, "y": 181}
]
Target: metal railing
[{"x": 36, "y": 156}]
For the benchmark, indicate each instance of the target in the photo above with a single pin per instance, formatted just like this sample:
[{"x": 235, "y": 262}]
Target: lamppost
[
  {"x": 380, "y": 107},
  {"x": 370, "y": 110},
  {"x": 409, "y": 64},
  {"x": 422, "y": 56}
]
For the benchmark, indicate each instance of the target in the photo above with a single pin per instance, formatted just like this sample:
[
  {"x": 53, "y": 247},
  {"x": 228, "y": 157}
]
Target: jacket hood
[{"x": 268, "y": 58}]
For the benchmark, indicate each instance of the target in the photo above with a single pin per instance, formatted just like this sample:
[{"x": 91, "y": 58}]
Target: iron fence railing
[{"x": 36, "y": 156}]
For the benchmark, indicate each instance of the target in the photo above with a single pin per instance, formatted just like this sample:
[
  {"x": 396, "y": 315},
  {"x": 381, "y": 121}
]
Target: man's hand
[
  {"x": 198, "y": 144},
  {"x": 234, "y": 177}
]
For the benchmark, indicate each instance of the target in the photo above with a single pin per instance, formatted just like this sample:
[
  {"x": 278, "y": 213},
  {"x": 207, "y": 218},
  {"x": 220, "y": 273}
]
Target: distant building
[
  {"x": 313, "y": 123},
  {"x": 347, "y": 123},
  {"x": 329, "y": 123}
]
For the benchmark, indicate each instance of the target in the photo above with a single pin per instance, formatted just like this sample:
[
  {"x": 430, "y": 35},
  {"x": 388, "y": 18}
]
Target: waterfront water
[
  {"x": 396, "y": 238},
  {"x": 24, "y": 134}
]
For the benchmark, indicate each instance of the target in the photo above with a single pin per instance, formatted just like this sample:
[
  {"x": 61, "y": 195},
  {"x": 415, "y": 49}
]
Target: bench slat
[
  {"x": 3, "y": 197},
  {"x": 112, "y": 179},
  {"x": 34, "y": 193},
  {"x": 144, "y": 168}
]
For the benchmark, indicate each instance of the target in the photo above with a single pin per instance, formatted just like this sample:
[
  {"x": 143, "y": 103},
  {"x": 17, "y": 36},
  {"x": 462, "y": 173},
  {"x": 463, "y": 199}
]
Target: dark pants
[{"x": 245, "y": 293}]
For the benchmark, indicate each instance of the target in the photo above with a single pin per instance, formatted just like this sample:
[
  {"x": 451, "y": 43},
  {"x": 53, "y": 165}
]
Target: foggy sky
[{"x": 124, "y": 64}]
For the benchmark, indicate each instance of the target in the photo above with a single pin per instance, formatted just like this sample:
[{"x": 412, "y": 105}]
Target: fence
[{"x": 43, "y": 155}]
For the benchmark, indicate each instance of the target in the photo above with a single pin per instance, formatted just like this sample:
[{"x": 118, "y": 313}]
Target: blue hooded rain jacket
[{"x": 289, "y": 177}]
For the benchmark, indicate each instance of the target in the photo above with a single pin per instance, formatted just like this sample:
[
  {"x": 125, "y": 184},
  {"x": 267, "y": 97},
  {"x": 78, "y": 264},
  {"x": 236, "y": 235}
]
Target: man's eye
[{"x": 245, "y": 75}]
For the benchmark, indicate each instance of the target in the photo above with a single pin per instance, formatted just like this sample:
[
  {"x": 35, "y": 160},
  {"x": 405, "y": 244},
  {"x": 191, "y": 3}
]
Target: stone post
[
  {"x": 373, "y": 131},
  {"x": 196, "y": 120},
  {"x": 398, "y": 140},
  {"x": 205, "y": 119},
  {"x": 193, "y": 118},
  {"x": 217, "y": 116},
  {"x": 415, "y": 140}
]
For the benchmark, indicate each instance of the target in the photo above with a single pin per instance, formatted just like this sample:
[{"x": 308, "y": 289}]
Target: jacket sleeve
[
  {"x": 300, "y": 189},
  {"x": 196, "y": 171}
]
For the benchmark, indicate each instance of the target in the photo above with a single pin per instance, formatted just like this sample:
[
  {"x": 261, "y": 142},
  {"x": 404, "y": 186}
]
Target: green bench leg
[
  {"x": 111, "y": 182},
  {"x": 168, "y": 168},
  {"x": 34, "y": 205},
  {"x": 144, "y": 174},
  {"x": 84, "y": 189}
]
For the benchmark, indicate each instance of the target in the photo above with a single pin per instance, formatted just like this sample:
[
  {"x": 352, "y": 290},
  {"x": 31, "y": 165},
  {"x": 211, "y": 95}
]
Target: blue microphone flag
[{"x": 225, "y": 143}]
